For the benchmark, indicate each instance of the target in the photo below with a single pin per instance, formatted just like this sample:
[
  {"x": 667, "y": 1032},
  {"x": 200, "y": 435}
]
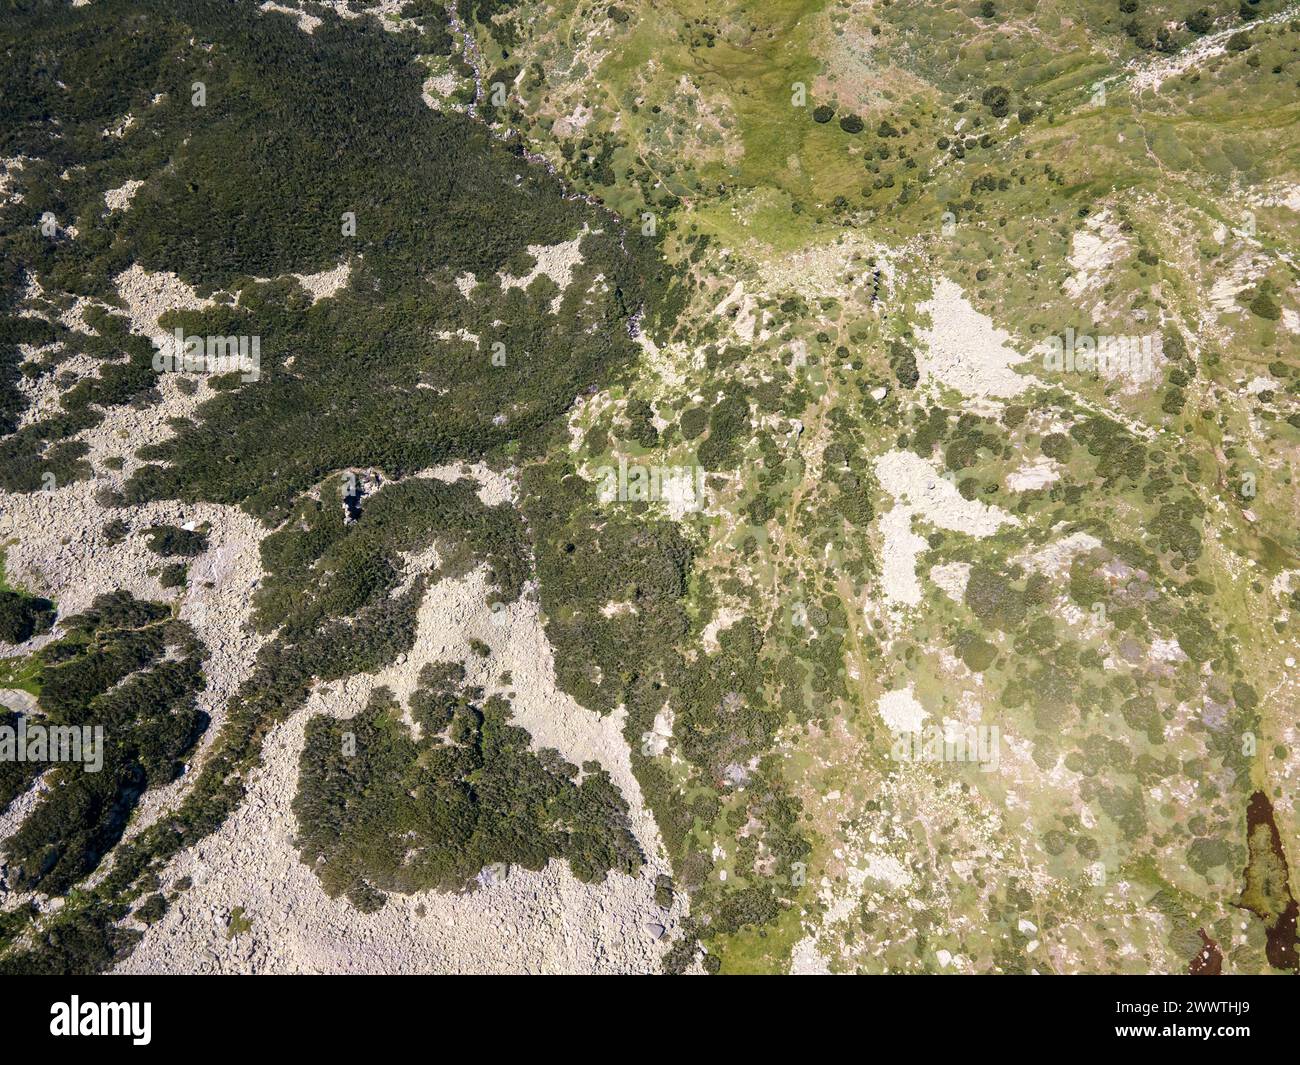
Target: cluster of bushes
[
  {"x": 380, "y": 810},
  {"x": 23, "y": 616},
  {"x": 641, "y": 427},
  {"x": 930, "y": 426},
  {"x": 589, "y": 555},
  {"x": 844, "y": 464},
  {"x": 997, "y": 99},
  {"x": 320, "y": 567},
  {"x": 126, "y": 667},
  {"x": 1176, "y": 527},
  {"x": 693, "y": 422},
  {"x": 902, "y": 360},
  {"x": 728, "y": 428},
  {"x": 45, "y": 447},
  {"x": 173, "y": 575},
  {"x": 1118, "y": 455},
  {"x": 996, "y": 600},
  {"x": 169, "y": 541},
  {"x": 15, "y": 776}
]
